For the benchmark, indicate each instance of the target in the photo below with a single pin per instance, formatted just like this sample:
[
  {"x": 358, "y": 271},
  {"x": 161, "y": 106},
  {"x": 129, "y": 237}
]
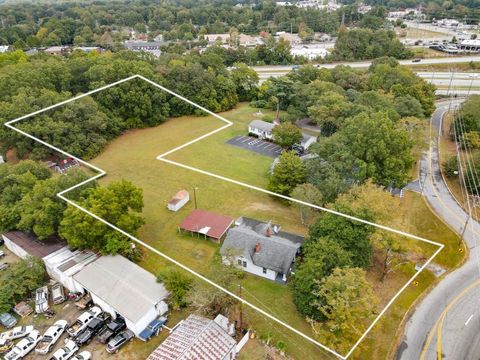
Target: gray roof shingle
[{"x": 277, "y": 251}]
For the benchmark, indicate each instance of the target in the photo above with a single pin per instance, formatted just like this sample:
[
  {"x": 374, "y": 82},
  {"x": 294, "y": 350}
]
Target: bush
[{"x": 450, "y": 167}]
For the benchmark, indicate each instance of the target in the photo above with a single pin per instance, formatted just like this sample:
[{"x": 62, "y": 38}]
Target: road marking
[
  {"x": 437, "y": 327},
  {"x": 468, "y": 320}
]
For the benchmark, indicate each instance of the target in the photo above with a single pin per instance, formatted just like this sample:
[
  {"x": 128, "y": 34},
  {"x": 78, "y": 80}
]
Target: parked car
[
  {"x": 83, "y": 321},
  {"x": 58, "y": 295},
  {"x": 92, "y": 329},
  {"x": 152, "y": 329},
  {"x": 7, "y": 346},
  {"x": 84, "y": 355},
  {"x": 41, "y": 300},
  {"x": 4, "y": 266},
  {"x": 112, "y": 329},
  {"x": 66, "y": 352},
  {"x": 16, "y": 333},
  {"x": 118, "y": 341},
  {"x": 24, "y": 346},
  {"x": 8, "y": 320},
  {"x": 50, "y": 337},
  {"x": 416, "y": 60}
]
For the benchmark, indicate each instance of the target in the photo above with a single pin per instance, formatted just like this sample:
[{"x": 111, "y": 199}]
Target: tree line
[{"x": 85, "y": 126}]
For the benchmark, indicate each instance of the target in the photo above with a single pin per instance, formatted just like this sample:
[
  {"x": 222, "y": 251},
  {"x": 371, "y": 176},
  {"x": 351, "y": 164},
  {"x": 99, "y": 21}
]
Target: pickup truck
[
  {"x": 50, "y": 337},
  {"x": 24, "y": 346},
  {"x": 92, "y": 329},
  {"x": 65, "y": 352},
  {"x": 15, "y": 333},
  {"x": 152, "y": 329},
  {"x": 83, "y": 321},
  {"x": 41, "y": 300},
  {"x": 112, "y": 329}
]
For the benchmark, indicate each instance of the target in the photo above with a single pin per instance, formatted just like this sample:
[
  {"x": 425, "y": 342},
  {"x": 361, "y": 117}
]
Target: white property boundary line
[{"x": 161, "y": 157}]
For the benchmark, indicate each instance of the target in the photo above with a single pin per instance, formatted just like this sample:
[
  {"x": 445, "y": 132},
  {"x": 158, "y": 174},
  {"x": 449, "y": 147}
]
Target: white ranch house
[{"x": 261, "y": 249}]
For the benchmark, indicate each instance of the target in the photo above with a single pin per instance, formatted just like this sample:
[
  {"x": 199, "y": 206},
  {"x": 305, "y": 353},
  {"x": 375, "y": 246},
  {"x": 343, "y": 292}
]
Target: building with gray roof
[{"x": 261, "y": 248}]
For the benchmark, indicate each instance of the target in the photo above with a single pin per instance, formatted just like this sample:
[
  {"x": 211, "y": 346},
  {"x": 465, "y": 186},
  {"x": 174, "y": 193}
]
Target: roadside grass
[
  {"x": 447, "y": 149},
  {"x": 427, "y": 53},
  {"x": 414, "y": 33},
  {"x": 133, "y": 157}
]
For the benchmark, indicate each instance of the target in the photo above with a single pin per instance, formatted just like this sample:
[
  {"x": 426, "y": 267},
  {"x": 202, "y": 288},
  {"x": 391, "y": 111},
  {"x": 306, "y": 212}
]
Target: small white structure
[
  {"x": 307, "y": 140},
  {"x": 261, "y": 129},
  {"x": 178, "y": 201},
  {"x": 1, "y": 160},
  {"x": 197, "y": 337},
  {"x": 123, "y": 288},
  {"x": 3, "y": 48}
]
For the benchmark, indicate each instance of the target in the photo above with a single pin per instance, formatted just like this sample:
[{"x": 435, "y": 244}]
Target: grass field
[{"x": 133, "y": 157}]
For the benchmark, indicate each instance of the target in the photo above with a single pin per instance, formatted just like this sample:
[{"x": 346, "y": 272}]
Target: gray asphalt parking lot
[{"x": 257, "y": 145}]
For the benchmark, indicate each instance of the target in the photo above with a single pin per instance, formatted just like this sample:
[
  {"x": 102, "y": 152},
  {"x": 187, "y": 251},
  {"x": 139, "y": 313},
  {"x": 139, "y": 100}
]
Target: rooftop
[
  {"x": 32, "y": 245},
  {"x": 125, "y": 286},
  {"x": 207, "y": 223},
  {"x": 262, "y": 125},
  {"x": 195, "y": 338},
  {"x": 263, "y": 244}
]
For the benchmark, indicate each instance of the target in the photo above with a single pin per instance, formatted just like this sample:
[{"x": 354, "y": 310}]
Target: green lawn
[{"x": 133, "y": 157}]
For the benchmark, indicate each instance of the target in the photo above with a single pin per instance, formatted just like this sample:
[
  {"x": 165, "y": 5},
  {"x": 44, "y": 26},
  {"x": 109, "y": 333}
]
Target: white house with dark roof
[
  {"x": 195, "y": 338},
  {"x": 261, "y": 129},
  {"x": 261, "y": 248}
]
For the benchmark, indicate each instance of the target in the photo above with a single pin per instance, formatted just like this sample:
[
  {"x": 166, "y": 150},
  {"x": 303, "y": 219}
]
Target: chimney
[
  {"x": 257, "y": 247},
  {"x": 267, "y": 233}
]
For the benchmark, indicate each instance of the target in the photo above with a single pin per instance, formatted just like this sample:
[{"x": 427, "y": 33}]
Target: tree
[
  {"x": 329, "y": 112},
  {"x": 287, "y": 173},
  {"x": 41, "y": 210},
  {"x": 351, "y": 235},
  {"x": 19, "y": 281},
  {"x": 246, "y": 81},
  {"x": 286, "y": 135},
  {"x": 408, "y": 106},
  {"x": 347, "y": 301},
  {"x": 450, "y": 166},
  {"x": 119, "y": 203},
  {"x": 16, "y": 181},
  {"x": 319, "y": 260},
  {"x": 178, "y": 283},
  {"x": 308, "y": 193},
  {"x": 376, "y": 147}
]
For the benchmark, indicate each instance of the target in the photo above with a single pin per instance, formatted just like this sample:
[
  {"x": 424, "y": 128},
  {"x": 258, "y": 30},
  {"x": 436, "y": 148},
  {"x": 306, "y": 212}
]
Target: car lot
[
  {"x": 263, "y": 147},
  {"x": 69, "y": 312}
]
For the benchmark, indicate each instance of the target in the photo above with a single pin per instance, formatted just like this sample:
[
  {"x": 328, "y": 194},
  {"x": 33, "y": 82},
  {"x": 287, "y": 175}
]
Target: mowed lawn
[{"x": 133, "y": 157}]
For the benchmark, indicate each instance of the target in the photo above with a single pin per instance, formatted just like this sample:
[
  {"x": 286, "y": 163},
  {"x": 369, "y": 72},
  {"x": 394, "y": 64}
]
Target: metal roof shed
[{"x": 121, "y": 287}]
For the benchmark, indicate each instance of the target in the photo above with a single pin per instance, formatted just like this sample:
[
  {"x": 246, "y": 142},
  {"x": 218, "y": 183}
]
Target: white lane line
[{"x": 468, "y": 320}]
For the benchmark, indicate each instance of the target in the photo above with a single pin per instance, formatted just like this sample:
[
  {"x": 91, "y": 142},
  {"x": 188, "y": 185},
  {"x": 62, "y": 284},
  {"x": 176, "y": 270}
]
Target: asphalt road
[
  {"x": 451, "y": 311},
  {"x": 461, "y": 82}
]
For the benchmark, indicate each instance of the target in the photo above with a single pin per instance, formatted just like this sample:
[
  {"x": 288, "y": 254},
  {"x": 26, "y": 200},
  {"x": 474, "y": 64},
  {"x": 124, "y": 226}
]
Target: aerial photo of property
[{"x": 239, "y": 179}]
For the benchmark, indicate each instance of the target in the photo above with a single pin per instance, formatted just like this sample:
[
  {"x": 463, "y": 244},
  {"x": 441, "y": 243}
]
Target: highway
[
  {"x": 447, "y": 320},
  {"x": 461, "y": 82}
]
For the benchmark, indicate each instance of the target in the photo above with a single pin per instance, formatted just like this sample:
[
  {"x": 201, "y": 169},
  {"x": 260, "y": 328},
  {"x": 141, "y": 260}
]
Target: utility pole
[
  {"x": 241, "y": 307},
  {"x": 195, "y": 196}
]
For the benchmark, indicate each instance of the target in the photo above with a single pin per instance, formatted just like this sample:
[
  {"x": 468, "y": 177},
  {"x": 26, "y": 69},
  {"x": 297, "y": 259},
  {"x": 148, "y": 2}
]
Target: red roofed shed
[{"x": 207, "y": 223}]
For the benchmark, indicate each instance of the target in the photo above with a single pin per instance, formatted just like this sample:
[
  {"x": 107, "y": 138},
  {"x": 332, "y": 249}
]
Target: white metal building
[{"x": 121, "y": 287}]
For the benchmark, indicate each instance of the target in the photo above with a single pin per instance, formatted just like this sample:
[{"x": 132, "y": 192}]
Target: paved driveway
[{"x": 259, "y": 146}]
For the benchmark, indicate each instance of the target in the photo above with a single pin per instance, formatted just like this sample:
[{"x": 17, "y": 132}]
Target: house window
[
  {"x": 244, "y": 264},
  {"x": 264, "y": 270},
  {"x": 239, "y": 262}
]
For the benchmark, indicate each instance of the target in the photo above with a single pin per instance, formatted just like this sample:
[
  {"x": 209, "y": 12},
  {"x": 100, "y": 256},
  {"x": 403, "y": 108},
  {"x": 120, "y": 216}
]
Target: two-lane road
[{"x": 448, "y": 319}]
